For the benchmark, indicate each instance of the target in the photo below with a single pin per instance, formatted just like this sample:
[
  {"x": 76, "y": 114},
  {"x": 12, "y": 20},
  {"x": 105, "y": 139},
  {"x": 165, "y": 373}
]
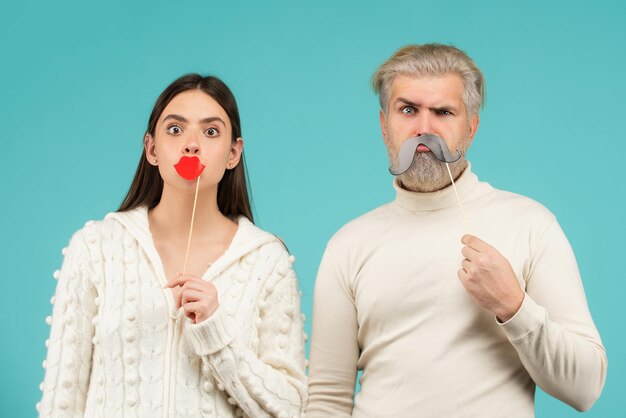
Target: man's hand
[
  {"x": 489, "y": 278},
  {"x": 197, "y": 297}
]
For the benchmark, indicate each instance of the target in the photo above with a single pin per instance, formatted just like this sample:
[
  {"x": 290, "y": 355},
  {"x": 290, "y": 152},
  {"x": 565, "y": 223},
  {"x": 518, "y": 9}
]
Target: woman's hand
[{"x": 197, "y": 297}]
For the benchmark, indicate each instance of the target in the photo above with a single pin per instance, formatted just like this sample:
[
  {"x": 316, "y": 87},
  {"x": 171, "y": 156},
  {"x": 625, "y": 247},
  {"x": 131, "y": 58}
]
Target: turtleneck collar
[{"x": 426, "y": 201}]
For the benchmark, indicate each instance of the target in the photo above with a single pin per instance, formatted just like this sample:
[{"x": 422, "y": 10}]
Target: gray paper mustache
[{"x": 434, "y": 143}]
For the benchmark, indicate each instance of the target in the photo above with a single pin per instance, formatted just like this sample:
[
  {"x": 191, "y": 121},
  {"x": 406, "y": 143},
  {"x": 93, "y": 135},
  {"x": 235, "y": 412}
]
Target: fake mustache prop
[
  {"x": 438, "y": 147},
  {"x": 435, "y": 144}
]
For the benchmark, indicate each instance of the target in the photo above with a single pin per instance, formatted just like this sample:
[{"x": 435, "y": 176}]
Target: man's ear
[
  {"x": 473, "y": 127},
  {"x": 149, "y": 148},
  {"x": 383, "y": 125}
]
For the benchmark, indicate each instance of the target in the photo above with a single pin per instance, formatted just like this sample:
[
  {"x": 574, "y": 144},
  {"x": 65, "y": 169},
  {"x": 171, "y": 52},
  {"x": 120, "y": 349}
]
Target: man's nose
[{"x": 423, "y": 124}]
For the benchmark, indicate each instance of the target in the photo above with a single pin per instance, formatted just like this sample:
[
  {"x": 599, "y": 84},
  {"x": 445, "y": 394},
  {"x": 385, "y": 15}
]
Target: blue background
[{"x": 78, "y": 80}]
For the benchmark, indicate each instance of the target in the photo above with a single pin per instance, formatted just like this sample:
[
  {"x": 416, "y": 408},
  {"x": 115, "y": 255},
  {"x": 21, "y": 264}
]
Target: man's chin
[
  {"x": 432, "y": 177},
  {"x": 419, "y": 185}
]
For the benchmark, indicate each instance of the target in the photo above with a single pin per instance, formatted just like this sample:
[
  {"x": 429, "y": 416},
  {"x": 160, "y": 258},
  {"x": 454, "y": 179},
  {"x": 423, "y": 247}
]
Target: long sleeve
[
  {"x": 334, "y": 344},
  {"x": 553, "y": 331},
  {"x": 272, "y": 381},
  {"x": 68, "y": 362}
]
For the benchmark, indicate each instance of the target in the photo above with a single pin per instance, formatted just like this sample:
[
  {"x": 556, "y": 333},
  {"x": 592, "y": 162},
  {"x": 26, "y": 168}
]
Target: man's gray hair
[{"x": 431, "y": 60}]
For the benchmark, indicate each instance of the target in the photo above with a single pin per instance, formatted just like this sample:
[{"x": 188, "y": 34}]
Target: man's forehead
[{"x": 447, "y": 87}]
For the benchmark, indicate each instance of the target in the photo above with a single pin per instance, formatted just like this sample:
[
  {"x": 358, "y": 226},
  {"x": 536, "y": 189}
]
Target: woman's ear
[
  {"x": 234, "y": 156},
  {"x": 148, "y": 145}
]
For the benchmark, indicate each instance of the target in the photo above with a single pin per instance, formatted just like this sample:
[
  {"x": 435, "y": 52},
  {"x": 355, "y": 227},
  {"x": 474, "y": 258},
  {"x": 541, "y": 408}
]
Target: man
[{"x": 448, "y": 310}]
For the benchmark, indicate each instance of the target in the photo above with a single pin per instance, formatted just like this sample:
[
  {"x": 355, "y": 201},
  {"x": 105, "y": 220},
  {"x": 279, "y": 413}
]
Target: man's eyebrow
[
  {"x": 445, "y": 108},
  {"x": 407, "y": 102}
]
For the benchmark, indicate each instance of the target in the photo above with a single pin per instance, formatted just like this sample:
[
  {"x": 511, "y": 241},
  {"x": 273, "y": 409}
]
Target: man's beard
[{"x": 427, "y": 173}]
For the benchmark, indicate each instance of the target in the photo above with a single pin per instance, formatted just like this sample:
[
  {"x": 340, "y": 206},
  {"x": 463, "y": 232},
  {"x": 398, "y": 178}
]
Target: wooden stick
[
  {"x": 193, "y": 215},
  {"x": 465, "y": 222}
]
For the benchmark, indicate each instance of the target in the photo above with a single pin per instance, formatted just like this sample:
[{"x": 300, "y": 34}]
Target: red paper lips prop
[{"x": 189, "y": 168}]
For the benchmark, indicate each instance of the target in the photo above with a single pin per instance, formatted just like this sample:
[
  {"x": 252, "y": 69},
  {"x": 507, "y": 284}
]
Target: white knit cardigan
[{"x": 119, "y": 348}]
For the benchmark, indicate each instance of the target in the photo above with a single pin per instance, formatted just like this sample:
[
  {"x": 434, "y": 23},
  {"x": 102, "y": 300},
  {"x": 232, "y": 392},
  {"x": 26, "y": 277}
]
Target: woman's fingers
[
  {"x": 197, "y": 297},
  {"x": 192, "y": 295},
  {"x": 179, "y": 281},
  {"x": 201, "y": 303},
  {"x": 190, "y": 283},
  {"x": 193, "y": 310}
]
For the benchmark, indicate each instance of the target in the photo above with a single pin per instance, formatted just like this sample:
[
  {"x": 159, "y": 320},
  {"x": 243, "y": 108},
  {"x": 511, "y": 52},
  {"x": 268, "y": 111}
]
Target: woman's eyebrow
[
  {"x": 175, "y": 117},
  {"x": 213, "y": 119},
  {"x": 184, "y": 120}
]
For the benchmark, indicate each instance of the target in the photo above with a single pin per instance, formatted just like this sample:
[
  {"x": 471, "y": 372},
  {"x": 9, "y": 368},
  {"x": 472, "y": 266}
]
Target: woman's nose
[{"x": 191, "y": 148}]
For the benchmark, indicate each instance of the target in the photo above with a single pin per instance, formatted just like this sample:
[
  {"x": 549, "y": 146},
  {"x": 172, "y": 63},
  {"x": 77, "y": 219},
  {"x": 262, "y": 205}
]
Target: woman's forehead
[{"x": 194, "y": 106}]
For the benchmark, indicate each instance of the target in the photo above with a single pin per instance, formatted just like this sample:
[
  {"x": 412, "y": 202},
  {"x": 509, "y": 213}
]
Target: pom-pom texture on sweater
[{"x": 119, "y": 348}]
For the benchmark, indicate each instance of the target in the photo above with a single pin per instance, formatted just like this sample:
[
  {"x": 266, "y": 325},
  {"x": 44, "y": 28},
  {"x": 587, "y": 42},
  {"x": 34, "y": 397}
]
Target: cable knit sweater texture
[{"x": 119, "y": 348}]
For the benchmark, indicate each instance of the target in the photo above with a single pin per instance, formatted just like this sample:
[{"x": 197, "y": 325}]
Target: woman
[{"x": 131, "y": 336}]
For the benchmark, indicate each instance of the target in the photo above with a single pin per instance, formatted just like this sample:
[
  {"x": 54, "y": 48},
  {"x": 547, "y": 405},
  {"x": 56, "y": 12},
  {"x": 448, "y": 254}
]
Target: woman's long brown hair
[{"x": 232, "y": 190}]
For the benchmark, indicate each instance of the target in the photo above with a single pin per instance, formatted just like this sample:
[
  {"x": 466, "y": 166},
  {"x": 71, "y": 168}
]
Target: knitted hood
[{"x": 247, "y": 239}]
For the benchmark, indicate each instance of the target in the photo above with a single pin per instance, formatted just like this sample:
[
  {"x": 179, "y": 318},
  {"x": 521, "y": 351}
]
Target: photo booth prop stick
[
  {"x": 190, "y": 168},
  {"x": 458, "y": 199},
  {"x": 438, "y": 147}
]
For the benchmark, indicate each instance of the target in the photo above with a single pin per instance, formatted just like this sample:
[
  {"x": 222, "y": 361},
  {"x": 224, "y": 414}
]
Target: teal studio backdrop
[{"x": 78, "y": 80}]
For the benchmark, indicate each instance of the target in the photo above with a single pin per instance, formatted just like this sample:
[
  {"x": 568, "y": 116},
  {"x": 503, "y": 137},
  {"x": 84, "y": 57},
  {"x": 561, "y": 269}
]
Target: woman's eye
[
  {"x": 212, "y": 132},
  {"x": 174, "y": 130},
  {"x": 408, "y": 110}
]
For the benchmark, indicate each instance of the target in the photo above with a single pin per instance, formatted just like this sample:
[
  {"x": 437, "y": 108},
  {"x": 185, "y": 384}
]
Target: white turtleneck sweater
[
  {"x": 388, "y": 302},
  {"x": 119, "y": 348}
]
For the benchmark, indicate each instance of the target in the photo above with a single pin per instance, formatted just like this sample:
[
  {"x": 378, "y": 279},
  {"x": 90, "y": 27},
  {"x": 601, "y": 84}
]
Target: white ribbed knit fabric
[
  {"x": 388, "y": 302},
  {"x": 119, "y": 348}
]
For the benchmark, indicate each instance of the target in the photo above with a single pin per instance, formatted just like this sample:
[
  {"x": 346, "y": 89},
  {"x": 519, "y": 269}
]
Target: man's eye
[
  {"x": 444, "y": 112},
  {"x": 212, "y": 132},
  {"x": 174, "y": 130},
  {"x": 408, "y": 110}
]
